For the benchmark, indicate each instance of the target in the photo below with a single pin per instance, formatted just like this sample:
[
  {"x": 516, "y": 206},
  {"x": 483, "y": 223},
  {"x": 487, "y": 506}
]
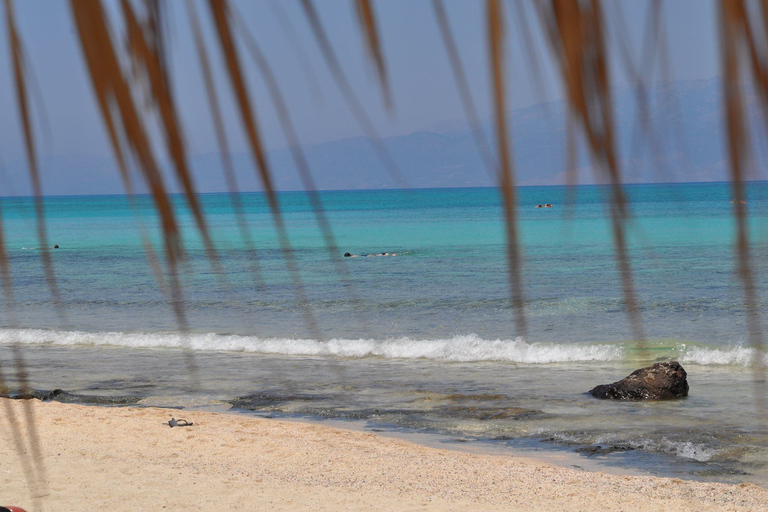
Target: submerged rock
[
  {"x": 490, "y": 413},
  {"x": 662, "y": 381},
  {"x": 59, "y": 395},
  {"x": 596, "y": 449},
  {"x": 259, "y": 401},
  {"x": 45, "y": 396}
]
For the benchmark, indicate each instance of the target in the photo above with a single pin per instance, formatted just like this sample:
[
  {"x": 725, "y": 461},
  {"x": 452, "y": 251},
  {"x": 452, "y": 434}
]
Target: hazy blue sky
[{"x": 423, "y": 86}]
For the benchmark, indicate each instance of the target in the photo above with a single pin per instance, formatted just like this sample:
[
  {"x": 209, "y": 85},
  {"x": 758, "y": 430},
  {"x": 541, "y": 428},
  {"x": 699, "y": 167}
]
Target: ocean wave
[
  {"x": 460, "y": 348},
  {"x": 737, "y": 355},
  {"x": 701, "y": 450},
  {"x": 690, "y": 450}
]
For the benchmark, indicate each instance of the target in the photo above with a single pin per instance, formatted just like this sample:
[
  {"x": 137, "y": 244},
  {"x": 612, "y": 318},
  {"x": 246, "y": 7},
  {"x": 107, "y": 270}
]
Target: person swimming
[{"x": 349, "y": 255}]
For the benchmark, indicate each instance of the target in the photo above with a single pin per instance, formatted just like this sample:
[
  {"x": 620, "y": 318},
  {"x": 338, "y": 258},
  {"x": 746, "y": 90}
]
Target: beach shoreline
[{"x": 126, "y": 459}]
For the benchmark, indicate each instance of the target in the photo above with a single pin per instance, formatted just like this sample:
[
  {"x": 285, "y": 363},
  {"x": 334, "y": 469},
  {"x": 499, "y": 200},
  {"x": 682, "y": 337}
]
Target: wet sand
[{"x": 125, "y": 459}]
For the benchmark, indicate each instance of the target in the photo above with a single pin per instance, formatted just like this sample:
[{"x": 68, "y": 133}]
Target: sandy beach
[{"x": 126, "y": 459}]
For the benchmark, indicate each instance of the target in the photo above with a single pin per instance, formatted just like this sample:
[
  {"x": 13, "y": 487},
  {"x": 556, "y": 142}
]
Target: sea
[{"x": 420, "y": 341}]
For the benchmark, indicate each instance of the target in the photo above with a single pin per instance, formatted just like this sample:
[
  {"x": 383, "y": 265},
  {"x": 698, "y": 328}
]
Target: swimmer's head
[{"x": 347, "y": 255}]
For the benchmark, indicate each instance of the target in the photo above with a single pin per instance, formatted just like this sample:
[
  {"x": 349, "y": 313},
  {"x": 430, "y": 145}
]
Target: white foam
[
  {"x": 732, "y": 355},
  {"x": 701, "y": 452},
  {"x": 690, "y": 450},
  {"x": 459, "y": 348}
]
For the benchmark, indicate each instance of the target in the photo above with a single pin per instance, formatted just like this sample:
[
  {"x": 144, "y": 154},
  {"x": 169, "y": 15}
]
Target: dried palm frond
[
  {"x": 470, "y": 112},
  {"x": 349, "y": 95},
  {"x": 147, "y": 56},
  {"x": 518, "y": 12},
  {"x": 124, "y": 123},
  {"x": 506, "y": 171},
  {"x": 298, "y": 48},
  {"x": 34, "y": 469},
  {"x": 221, "y": 12},
  {"x": 367, "y": 22},
  {"x": 737, "y": 38},
  {"x": 576, "y": 34},
  {"x": 638, "y": 77},
  {"x": 19, "y": 73},
  {"x": 297, "y": 153},
  {"x": 221, "y": 139}
]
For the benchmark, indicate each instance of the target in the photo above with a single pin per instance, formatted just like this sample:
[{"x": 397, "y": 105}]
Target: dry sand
[{"x": 117, "y": 459}]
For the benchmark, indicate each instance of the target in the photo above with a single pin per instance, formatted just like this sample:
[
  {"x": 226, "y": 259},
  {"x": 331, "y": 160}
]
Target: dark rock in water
[{"x": 662, "y": 381}]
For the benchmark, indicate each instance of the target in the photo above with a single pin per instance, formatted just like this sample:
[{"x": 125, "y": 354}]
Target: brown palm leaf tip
[
  {"x": 736, "y": 32},
  {"x": 34, "y": 471},
  {"x": 149, "y": 61},
  {"x": 349, "y": 95},
  {"x": 576, "y": 32},
  {"x": 367, "y": 23},
  {"x": 221, "y": 11},
  {"x": 111, "y": 89},
  {"x": 297, "y": 154},
  {"x": 636, "y": 75},
  {"x": 17, "y": 58},
  {"x": 118, "y": 110},
  {"x": 298, "y": 48},
  {"x": 221, "y": 139},
  {"x": 481, "y": 142},
  {"x": 506, "y": 171},
  {"x": 519, "y": 13},
  {"x": 6, "y": 280}
]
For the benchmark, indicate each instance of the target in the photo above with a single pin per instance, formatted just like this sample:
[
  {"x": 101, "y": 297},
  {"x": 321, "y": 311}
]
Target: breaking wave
[
  {"x": 461, "y": 348},
  {"x": 732, "y": 355}
]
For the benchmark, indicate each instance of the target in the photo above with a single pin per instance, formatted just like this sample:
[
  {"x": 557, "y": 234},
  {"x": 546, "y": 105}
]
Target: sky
[{"x": 68, "y": 124}]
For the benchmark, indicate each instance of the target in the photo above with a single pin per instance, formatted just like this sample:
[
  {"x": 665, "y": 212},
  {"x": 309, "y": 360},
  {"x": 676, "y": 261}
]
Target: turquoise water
[{"x": 421, "y": 340}]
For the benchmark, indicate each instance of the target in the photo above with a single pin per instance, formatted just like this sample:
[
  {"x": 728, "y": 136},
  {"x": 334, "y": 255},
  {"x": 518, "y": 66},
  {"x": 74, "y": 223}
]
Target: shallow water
[{"x": 423, "y": 341}]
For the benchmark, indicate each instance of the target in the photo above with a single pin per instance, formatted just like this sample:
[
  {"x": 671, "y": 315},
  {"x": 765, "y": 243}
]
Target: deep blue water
[{"x": 449, "y": 277}]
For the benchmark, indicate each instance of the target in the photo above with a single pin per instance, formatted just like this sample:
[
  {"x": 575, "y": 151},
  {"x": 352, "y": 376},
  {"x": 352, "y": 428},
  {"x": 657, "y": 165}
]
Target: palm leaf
[
  {"x": 349, "y": 95},
  {"x": 220, "y": 11},
  {"x": 367, "y": 22},
  {"x": 735, "y": 34},
  {"x": 506, "y": 171}
]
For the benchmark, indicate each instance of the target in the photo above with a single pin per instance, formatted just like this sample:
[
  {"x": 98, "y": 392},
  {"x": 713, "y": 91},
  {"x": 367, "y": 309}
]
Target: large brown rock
[{"x": 662, "y": 381}]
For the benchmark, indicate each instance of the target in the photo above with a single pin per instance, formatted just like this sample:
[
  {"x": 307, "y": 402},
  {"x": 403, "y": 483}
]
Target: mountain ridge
[{"x": 685, "y": 144}]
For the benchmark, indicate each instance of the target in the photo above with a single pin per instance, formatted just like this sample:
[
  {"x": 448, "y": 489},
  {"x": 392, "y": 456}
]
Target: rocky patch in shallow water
[
  {"x": 597, "y": 449},
  {"x": 270, "y": 401},
  {"x": 59, "y": 395},
  {"x": 489, "y": 413}
]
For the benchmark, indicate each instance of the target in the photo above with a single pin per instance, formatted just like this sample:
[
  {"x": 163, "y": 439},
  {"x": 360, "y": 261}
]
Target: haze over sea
[{"x": 423, "y": 340}]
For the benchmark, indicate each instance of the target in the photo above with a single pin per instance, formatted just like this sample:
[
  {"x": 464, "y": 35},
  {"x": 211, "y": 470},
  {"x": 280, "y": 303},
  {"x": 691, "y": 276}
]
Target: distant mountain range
[{"x": 685, "y": 143}]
